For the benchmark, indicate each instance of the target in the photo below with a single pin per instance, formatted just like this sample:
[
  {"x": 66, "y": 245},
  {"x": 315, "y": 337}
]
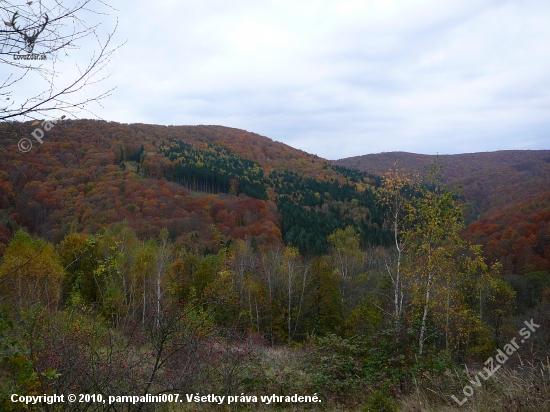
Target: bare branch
[{"x": 52, "y": 29}]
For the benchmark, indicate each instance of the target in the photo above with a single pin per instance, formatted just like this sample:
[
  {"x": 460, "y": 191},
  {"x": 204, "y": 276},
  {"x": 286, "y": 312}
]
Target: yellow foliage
[{"x": 30, "y": 272}]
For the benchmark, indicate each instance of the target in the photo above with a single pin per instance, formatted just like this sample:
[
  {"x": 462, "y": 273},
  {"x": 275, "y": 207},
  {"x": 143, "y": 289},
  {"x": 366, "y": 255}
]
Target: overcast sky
[{"x": 340, "y": 78}]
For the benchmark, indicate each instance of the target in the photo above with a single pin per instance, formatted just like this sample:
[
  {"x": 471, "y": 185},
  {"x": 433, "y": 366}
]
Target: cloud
[{"x": 341, "y": 78}]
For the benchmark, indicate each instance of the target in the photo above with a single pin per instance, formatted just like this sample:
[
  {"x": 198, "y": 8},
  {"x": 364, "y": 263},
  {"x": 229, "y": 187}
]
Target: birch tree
[
  {"x": 438, "y": 257},
  {"x": 164, "y": 253},
  {"x": 30, "y": 273},
  {"x": 346, "y": 258},
  {"x": 394, "y": 196},
  {"x": 431, "y": 259}
]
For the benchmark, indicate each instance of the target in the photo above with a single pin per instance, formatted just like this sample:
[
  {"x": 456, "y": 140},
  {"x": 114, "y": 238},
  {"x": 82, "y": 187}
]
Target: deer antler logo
[{"x": 29, "y": 40}]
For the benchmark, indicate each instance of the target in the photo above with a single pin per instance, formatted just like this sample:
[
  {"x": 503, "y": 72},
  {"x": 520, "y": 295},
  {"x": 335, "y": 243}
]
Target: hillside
[
  {"x": 206, "y": 183},
  {"x": 139, "y": 258},
  {"x": 508, "y": 194},
  {"x": 200, "y": 182},
  {"x": 456, "y": 166}
]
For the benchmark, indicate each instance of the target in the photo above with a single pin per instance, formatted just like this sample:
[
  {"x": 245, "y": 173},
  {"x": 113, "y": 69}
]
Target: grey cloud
[{"x": 441, "y": 77}]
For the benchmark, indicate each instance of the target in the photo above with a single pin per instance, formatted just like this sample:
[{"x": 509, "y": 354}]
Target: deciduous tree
[{"x": 30, "y": 272}]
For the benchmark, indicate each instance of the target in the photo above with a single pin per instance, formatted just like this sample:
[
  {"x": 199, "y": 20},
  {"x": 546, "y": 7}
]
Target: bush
[
  {"x": 347, "y": 366},
  {"x": 379, "y": 401}
]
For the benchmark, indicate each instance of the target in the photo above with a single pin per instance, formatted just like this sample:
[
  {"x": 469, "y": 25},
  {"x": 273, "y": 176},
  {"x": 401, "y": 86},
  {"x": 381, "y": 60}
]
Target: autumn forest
[{"x": 141, "y": 259}]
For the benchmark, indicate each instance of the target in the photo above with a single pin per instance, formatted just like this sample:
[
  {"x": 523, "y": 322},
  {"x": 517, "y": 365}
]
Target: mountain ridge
[
  {"x": 508, "y": 193},
  {"x": 379, "y": 163}
]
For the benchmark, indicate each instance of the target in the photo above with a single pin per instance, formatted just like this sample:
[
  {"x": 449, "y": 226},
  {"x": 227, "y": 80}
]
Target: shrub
[{"x": 379, "y": 401}]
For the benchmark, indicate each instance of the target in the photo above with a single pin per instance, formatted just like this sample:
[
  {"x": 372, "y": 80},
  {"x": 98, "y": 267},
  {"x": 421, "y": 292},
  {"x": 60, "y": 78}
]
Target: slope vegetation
[
  {"x": 508, "y": 194},
  {"x": 200, "y": 182}
]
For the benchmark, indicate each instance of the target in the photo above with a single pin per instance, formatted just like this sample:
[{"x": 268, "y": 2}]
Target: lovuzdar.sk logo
[{"x": 29, "y": 35}]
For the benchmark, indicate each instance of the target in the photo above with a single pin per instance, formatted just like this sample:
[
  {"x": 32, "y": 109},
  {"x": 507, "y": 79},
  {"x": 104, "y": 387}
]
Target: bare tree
[{"x": 41, "y": 44}]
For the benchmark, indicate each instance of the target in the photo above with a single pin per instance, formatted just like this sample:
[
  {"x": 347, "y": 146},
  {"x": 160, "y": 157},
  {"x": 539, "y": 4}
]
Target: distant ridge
[
  {"x": 508, "y": 196},
  {"x": 455, "y": 166},
  {"x": 488, "y": 179}
]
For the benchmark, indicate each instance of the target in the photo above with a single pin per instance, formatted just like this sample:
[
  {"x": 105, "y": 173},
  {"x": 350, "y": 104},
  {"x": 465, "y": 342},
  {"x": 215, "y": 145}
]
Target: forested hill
[
  {"x": 212, "y": 184},
  {"x": 488, "y": 180},
  {"x": 456, "y": 166},
  {"x": 136, "y": 259},
  {"x": 509, "y": 196},
  {"x": 203, "y": 183}
]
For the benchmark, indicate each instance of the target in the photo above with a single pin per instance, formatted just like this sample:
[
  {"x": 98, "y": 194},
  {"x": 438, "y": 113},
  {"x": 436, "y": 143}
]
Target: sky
[{"x": 336, "y": 78}]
